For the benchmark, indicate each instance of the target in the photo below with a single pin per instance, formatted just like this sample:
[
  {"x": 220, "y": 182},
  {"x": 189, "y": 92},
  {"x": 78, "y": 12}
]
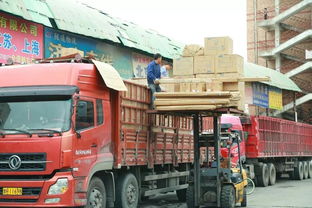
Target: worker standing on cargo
[
  {"x": 265, "y": 13},
  {"x": 164, "y": 70},
  {"x": 153, "y": 75}
]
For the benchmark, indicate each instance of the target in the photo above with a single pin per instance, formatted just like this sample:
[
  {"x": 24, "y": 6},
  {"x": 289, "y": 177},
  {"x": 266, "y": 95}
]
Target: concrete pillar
[
  {"x": 255, "y": 2},
  {"x": 277, "y": 30}
]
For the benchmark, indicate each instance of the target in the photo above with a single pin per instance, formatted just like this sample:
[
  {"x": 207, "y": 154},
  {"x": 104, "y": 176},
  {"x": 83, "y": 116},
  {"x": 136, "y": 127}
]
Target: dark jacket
[{"x": 153, "y": 72}]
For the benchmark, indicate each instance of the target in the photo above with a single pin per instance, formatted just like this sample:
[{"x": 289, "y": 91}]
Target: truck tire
[
  {"x": 298, "y": 171},
  {"x": 127, "y": 191},
  {"x": 181, "y": 194},
  {"x": 272, "y": 174},
  {"x": 96, "y": 194},
  {"x": 228, "y": 196},
  {"x": 310, "y": 169},
  {"x": 244, "y": 202},
  {"x": 305, "y": 170},
  {"x": 262, "y": 175},
  {"x": 190, "y": 198}
]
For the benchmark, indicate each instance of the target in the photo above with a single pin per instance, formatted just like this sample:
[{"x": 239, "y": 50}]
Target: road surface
[{"x": 285, "y": 194}]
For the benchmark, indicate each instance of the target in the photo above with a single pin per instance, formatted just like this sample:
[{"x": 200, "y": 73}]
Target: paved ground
[{"x": 285, "y": 194}]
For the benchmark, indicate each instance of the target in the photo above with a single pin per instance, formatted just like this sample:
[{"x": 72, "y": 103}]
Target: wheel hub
[
  {"x": 96, "y": 199},
  {"x": 131, "y": 194}
]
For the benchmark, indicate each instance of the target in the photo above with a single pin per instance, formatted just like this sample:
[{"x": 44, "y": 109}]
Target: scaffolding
[{"x": 287, "y": 27}]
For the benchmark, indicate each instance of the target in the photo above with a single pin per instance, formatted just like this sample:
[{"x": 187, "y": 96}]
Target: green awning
[
  {"x": 83, "y": 19},
  {"x": 277, "y": 79}
]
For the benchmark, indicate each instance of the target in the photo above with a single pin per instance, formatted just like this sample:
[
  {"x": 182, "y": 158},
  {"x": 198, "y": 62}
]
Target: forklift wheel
[
  {"x": 244, "y": 202},
  {"x": 190, "y": 198},
  {"x": 228, "y": 196}
]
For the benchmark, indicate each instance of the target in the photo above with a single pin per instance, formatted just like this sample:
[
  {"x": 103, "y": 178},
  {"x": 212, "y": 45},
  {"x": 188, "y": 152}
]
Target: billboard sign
[
  {"x": 58, "y": 43},
  {"x": 260, "y": 94},
  {"x": 140, "y": 63},
  {"x": 20, "y": 39},
  {"x": 275, "y": 98}
]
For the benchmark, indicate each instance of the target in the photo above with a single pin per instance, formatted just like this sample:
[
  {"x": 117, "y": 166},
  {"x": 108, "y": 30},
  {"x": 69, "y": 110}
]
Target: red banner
[{"x": 20, "y": 39}]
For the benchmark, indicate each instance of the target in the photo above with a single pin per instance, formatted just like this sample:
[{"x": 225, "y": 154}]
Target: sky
[{"x": 187, "y": 21}]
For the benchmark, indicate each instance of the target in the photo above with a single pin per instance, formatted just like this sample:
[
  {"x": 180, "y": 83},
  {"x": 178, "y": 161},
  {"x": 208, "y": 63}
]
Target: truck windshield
[{"x": 48, "y": 113}]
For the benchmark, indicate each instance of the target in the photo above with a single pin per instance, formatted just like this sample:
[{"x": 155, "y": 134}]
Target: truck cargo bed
[
  {"x": 275, "y": 137},
  {"x": 150, "y": 139}
]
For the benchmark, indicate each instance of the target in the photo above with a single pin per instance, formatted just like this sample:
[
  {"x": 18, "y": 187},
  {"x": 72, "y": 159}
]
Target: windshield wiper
[
  {"x": 18, "y": 130},
  {"x": 50, "y": 130}
]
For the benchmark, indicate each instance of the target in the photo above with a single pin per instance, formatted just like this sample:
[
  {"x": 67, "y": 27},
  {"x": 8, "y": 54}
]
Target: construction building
[{"x": 279, "y": 36}]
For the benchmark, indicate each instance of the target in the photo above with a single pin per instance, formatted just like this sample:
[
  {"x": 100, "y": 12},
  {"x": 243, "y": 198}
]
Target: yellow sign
[
  {"x": 12, "y": 191},
  {"x": 275, "y": 98}
]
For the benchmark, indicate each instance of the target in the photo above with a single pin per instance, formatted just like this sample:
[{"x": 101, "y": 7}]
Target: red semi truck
[
  {"x": 67, "y": 140},
  {"x": 270, "y": 147}
]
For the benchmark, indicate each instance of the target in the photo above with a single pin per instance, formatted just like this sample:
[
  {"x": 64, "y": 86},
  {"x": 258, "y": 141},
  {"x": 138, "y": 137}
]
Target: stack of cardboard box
[{"x": 214, "y": 64}]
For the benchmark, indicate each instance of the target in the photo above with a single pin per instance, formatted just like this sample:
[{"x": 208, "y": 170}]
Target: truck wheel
[
  {"x": 127, "y": 191},
  {"x": 96, "y": 194},
  {"x": 262, "y": 175},
  {"x": 272, "y": 174},
  {"x": 298, "y": 171},
  {"x": 228, "y": 196},
  {"x": 190, "y": 198},
  {"x": 310, "y": 169},
  {"x": 181, "y": 194},
  {"x": 244, "y": 202},
  {"x": 305, "y": 170}
]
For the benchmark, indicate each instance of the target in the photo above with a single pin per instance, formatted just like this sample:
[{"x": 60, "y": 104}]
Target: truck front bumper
[{"x": 35, "y": 193}]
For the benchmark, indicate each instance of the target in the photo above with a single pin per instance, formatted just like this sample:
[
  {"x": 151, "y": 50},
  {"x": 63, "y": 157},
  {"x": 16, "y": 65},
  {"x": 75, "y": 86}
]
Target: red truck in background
[
  {"x": 68, "y": 140},
  {"x": 270, "y": 147}
]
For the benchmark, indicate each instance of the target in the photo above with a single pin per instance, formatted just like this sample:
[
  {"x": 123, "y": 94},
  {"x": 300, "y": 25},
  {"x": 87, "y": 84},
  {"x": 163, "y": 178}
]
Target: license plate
[{"x": 12, "y": 191}]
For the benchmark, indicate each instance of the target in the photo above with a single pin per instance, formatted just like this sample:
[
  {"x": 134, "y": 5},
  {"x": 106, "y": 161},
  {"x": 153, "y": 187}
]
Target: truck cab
[
  {"x": 232, "y": 124},
  {"x": 55, "y": 132}
]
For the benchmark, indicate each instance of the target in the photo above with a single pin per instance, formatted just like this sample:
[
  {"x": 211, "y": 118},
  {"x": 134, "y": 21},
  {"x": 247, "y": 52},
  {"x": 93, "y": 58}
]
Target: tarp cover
[{"x": 110, "y": 76}]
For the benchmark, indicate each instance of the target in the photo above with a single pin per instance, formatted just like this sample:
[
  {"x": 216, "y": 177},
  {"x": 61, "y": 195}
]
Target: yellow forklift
[{"x": 215, "y": 183}]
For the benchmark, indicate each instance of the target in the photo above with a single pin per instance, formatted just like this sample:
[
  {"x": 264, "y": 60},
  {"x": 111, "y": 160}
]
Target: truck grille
[
  {"x": 27, "y": 191},
  {"x": 29, "y": 162}
]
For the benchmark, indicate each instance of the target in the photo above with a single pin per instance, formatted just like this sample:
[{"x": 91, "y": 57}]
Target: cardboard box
[
  {"x": 183, "y": 66},
  {"x": 185, "y": 87},
  {"x": 204, "y": 64},
  {"x": 183, "y": 76},
  {"x": 229, "y": 64},
  {"x": 208, "y": 76},
  {"x": 198, "y": 87},
  {"x": 218, "y": 45},
  {"x": 170, "y": 87},
  {"x": 217, "y": 86},
  {"x": 193, "y": 50},
  {"x": 230, "y": 86}
]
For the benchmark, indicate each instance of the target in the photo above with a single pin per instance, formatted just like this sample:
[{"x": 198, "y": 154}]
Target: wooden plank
[
  {"x": 183, "y": 101},
  {"x": 254, "y": 79},
  {"x": 187, "y": 107},
  {"x": 193, "y": 94}
]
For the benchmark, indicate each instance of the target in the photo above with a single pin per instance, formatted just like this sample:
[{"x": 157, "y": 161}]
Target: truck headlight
[{"x": 60, "y": 187}]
